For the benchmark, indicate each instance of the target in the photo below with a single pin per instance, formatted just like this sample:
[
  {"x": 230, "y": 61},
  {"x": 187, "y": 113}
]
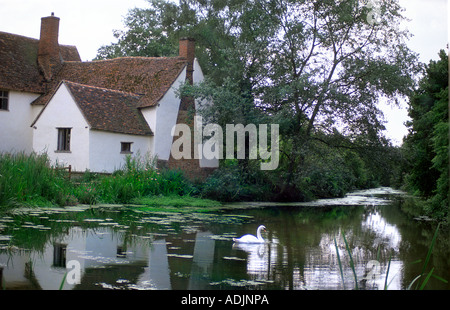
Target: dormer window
[{"x": 4, "y": 100}]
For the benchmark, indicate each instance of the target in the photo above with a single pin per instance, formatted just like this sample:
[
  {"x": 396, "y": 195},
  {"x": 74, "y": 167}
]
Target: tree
[
  {"x": 427, "y": 140},
  {"x": 313, "y": 67},
  {"x": 150, "y": 32},
  {"x": 319, "y": 66}
]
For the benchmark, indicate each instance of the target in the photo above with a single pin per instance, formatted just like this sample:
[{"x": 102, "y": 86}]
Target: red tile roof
[
  {"x": 19, "y": 68},
  {"x": 149, "y": 77},
  {"x": 108, "y": 110},
  {"x": 144, "y": 79}
]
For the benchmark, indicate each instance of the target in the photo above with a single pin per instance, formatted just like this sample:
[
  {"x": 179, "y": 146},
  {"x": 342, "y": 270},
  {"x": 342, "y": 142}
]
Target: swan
[{"x": 251, "y": 238}]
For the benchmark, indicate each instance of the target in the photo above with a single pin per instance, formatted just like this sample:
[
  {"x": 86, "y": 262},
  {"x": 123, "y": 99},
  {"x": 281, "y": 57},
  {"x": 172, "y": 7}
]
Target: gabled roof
[
  {"x": 150, "y": 77},
  {"x": 19, "y": 68},
  {"x": 108, "y": 110}
]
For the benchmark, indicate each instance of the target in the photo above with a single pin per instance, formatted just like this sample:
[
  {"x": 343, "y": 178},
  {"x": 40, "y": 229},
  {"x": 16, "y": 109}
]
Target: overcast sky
[{"x": 88, "y": 24}]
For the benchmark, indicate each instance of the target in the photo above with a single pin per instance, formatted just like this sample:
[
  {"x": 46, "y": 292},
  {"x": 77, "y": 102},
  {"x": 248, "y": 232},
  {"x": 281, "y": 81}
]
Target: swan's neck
[{"x": 258, "y": 234}]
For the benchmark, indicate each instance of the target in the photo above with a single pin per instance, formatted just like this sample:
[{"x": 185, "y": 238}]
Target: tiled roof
[
  {"x": 146, "y": 76},
  {"x": 109, "y": 110},
  {"x": 18, "y": 63},
  {"x": 145, "y": 80}
]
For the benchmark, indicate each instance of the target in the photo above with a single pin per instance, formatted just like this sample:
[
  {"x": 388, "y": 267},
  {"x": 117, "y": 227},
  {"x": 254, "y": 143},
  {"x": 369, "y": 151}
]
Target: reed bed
[{"x": 31, "y": 180}]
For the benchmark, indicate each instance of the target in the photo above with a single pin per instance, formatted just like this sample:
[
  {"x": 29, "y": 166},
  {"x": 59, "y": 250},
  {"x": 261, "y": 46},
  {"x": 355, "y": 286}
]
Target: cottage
[{"x": 90, "y": 115}]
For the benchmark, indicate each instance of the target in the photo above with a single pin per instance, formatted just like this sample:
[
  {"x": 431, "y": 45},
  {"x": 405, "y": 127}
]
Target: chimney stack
[
  {"x": 187, "y": 50},
  {"x": 48, "y": 53}
]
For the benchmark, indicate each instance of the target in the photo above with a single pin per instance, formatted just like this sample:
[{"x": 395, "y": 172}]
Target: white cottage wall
[
  {"x": 63, "y": 112},
  {"x": 198, "y": 78},
  {"x": 164, "y": 118},
  {"x": 105, "y": 149},
  {"x": 17, "y": 135}
]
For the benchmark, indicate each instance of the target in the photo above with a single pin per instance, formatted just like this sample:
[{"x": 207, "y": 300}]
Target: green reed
[{"x": 30, "y": 180}]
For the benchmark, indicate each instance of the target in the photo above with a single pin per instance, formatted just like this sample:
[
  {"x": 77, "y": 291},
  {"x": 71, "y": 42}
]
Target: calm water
[{"x": 124, "y": 248}]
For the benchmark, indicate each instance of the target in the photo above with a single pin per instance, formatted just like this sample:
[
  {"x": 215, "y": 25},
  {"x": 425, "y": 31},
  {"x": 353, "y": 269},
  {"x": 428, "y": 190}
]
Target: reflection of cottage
[
  {"x": 92, "y": 114},
  {"x": 108, "y": 259}
]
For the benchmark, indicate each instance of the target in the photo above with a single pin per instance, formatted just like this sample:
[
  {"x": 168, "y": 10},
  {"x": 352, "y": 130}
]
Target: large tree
[{"x": 318, "y": 68}]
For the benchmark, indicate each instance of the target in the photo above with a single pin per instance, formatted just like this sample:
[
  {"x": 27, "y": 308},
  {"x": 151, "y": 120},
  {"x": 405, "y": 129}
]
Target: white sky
[
  {"x": 89, "y": 24},
  {"x": 430, "y": 29}
]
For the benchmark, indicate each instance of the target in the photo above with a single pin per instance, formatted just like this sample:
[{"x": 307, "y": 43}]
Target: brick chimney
[
  {"x": 49, "y": 57},
  {"x": 187, "y": 50}
]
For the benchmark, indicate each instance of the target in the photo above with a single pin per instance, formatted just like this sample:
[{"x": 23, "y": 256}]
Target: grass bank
[
  {"x": 30, "y": 180},
  {"x": 176, "y": 204}
]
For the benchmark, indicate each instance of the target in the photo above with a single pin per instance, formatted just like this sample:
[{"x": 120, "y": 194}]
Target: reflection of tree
[
  {"x": 415, "y": 243},
  {"x": 306, "y": 252},
  {"x": 57, "y": 224},
  {"x": 301, "y": 234}
]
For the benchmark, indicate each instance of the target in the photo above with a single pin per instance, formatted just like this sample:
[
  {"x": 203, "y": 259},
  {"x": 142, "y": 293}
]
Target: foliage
[
  {"x": 138, "y": 178},
  {"x": 147, "y": 34},
  {"x": 316, "y": 68},
  {"x": 29, "y": 179},
  {"x": 327, "y": 172},
  {"x": 426, "y": 145},
  {"x": 231, "y": 183},
  {"x": 175, "y": 202}
]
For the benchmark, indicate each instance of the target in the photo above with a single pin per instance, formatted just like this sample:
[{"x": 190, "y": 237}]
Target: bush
[
  {"x": 231, "y": 182},
  {"x": 87, "y": 194}
]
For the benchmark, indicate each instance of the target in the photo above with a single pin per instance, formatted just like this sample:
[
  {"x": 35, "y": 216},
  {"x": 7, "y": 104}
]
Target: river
[{"x": 126, "y": 248}]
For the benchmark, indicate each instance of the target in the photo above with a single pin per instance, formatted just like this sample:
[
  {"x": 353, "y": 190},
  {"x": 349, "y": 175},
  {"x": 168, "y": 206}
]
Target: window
[
  {"x": 63, "y": 139},
  {"x": 4, "y": 100},
  {"x": 125, "y": 147},
  {"x": 59, "y": 255}
]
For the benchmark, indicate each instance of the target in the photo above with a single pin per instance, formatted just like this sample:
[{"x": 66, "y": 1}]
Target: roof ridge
[
  {"x": 138, "y": 58},
  {"x": 30, "y": 38},
  {"x": 18, "y": 35},
  {"x": 103, "y": 88}
]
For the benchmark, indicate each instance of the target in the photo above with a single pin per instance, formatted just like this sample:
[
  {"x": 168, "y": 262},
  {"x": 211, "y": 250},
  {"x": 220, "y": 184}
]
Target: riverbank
[
  {"x": 30, "y": 181},
  {"x": 187, "y": 204}
]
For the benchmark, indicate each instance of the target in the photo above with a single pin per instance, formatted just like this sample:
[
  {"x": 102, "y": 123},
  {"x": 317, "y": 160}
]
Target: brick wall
[{"x": 190, "y": 167}]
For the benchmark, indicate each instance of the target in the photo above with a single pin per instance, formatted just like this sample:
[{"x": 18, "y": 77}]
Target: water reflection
[
  {"x": 123, "y": 249},
  {"x": 259, "y": 260}
]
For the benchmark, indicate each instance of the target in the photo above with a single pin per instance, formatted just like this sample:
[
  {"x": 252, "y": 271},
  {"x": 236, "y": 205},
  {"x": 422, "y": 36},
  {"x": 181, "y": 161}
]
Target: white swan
[{"x": 251, "y": 238}]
